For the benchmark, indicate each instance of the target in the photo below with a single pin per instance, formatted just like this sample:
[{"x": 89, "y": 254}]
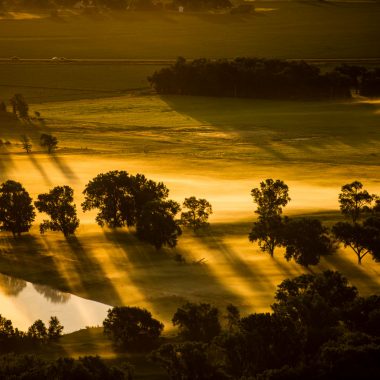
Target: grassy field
[{"x": 302, "y": 29}]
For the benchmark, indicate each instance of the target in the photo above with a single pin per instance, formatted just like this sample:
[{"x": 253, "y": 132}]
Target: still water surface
[{"x": 23, "y": 302}]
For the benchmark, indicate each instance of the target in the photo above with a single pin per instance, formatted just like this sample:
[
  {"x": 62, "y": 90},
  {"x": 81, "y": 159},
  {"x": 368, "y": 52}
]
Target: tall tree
[
  {"x": 20, "y": 106},
  {"x": 198, "y": 213},
  {"x": 354, "y": 201},
  {"x": 58, "y": 204},
  {"x": 270, "y": 198},
  {"x": 16, "y": 208},
  {"x": 157, "y": 225}
]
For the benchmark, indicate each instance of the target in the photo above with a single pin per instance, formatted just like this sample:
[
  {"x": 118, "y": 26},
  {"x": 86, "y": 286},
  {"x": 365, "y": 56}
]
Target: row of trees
[
  {"x": 11, "y": 337},
  {"x": 251, "y": 78},
  {"x": 121, "y": 200},
  {"x": 306, "y": 239},
  {"x": 319, "y": 328}
]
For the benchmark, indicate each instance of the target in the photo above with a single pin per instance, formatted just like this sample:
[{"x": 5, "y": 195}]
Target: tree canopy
[{"x": 197, "y": 214}]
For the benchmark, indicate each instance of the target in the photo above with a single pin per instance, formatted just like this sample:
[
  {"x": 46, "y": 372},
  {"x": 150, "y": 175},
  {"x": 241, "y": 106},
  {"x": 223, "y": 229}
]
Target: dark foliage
[
  {"x": 16, "y": 208},
  {"x": 49, "y": 142},
  {"x": 197, "y": 214},
  {"x": 251, "y": 78},
  {"x": 132, "y": 328},
  {"x": 58, "y": 204}
]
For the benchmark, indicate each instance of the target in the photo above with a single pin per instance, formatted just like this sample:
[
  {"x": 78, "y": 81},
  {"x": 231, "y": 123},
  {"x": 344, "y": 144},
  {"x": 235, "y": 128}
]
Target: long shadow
[
  {"x": 91, "y": 273},
  {"x": 165, "y": 283},
  {"x": 6, "y": 162},
  {"x": 40, "y": 168},
  {"x": 64, "y": 167}
]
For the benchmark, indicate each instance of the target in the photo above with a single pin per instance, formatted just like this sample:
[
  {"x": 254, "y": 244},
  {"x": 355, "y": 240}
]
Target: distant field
[{"x": 289, "y": 30}]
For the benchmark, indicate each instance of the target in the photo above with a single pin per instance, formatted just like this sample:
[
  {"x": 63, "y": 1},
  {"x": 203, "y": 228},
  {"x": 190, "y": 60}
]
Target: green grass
[{"x": 292, "y": 30}]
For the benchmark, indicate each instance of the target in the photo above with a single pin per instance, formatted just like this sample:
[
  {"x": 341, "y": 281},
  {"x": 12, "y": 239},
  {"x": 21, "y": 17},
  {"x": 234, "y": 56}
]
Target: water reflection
[
  {"x": 11, "y": 286},
  {"x": 23, "y": 303},
  {"x": 54, "y": 296}
]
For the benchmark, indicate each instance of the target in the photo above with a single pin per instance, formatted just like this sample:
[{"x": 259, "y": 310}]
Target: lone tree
[
  {"x": 55, "y": 329},
  {"x": 270, "y": 197},
  {"x": 197, "y": 322},
  {"x": 198, "y": 213},
  {"x": 16, "y": 208},
  {"x": 58, "y": 204},
  {"x": 20, "y": 106},
  {"x": 26, "y": 144},
  {"x": 306, "y": 240},
  {"x": 156, "y": 224},
  {"x": 132, "y": 327},
  {"x": 49, "y": 142},
  {"x": 354, "y": 201}
]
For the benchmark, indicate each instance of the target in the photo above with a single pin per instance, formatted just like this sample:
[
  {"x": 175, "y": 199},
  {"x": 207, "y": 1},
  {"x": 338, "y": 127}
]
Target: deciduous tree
[{"x": 198, "y": 213}]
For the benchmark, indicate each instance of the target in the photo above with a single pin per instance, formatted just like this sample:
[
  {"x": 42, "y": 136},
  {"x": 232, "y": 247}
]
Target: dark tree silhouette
[
  {"x": 354, "y": 201},
  {"x": 20, "y": 106},
  {"x": 306, "y": 240},
  {"x": 55, "y": 328},
  {"x": 198, "y": 213},
  {"x": 156, "y": 224},
  {"x": 270, "y": 198},
  {"x": 26, "y": 144},
  {"x": 38, "y": 331},
  {"x": 49, "y": 142},
  {"x": 197, "y": 322},
  {"x": 132, "y": 327},
  {"x": 58, "y": 204},
  {"x": 361, "y": 238},
  {"x": 16, "y": 208}
]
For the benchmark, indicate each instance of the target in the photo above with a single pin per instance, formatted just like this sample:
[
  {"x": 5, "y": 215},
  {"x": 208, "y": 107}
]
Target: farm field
[{"x": 279, "y": 29}]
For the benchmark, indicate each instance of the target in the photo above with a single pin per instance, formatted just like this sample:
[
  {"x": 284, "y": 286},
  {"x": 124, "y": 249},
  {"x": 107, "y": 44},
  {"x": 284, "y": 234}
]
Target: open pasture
[{"x": 302, "y": 29}]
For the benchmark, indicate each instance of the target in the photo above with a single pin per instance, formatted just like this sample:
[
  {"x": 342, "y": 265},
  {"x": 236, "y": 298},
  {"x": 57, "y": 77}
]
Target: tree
[
  {"x": 270, "y": 198},
  {"x": 268, "y": 232},
  {"x": 49, "y": 142},
  {"x": 3, "y": 107},
  {"x": 361, "y": 238},
  {"x": 354, "y": 201},
  {"x": 55, "y": 328},
  {"x": 198, "y": 213},
  {"x": 16, "y": 208},
  {"x": 132, "y": 327},
  {"x": 58, "y": 204},
  {"x": 38, "y": 331},
  {"x": 110, "y": 194},
  {"x": 26, "y": 144},
  {"x": 156, "y": 224},
  {"x": 306, "y": 240},
  {"x": 20, "y": 106},
  {"x": 197, "y": 322}
]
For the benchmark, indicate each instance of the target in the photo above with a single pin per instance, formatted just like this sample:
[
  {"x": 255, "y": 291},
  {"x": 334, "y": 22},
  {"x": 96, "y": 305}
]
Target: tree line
[
  {"x": 250, "y": 78},
  {"x": 306, "y": 239},
  {"x": 264, "y": 78},
  {"x": 319, "y": 328},
  {"x": 134, "y": 201}
]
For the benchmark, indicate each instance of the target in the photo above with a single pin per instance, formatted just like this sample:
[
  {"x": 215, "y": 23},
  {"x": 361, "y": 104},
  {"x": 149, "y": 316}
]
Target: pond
[{"x": 23, "y": 303}]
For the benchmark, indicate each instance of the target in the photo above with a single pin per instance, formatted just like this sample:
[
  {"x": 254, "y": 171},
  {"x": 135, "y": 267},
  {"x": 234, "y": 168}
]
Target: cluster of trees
[
  {"x": 31, "y": 367},
  {"x": 251, "y": 78},
  {"x": 319, "y": 328},
  {"x": 121, "y": 200},
  {"x": 12, "y": 338},
  {"x": 306, "y": 239}
]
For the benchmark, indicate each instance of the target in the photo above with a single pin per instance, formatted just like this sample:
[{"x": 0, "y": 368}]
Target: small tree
[
  {"x": 306, "y": 240},
  {"x": 156, "y": 224},
  {"x": 16, "y": 208},
  {"x": 20, "y": 106},
  {"x": 26, "y": 144},
  {"x": 354, "y": 201},
  {"x": 197, "y": 322},
  {"x": 55, "y": 329},
  {"x": 49, "y": 142},
  {"x": 132, "y": 327},
  {"x": 3, "y": 107},
  {"x": 58, "y": 204},
  {"x": 270, "y": 198},
  {"x": 38, "y": 331},
  {"x": 198, "y": 213}
]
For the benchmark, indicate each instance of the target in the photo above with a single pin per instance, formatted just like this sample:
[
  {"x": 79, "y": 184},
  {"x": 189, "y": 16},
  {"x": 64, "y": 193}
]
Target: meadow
[{"x": 106, "y": 117}]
